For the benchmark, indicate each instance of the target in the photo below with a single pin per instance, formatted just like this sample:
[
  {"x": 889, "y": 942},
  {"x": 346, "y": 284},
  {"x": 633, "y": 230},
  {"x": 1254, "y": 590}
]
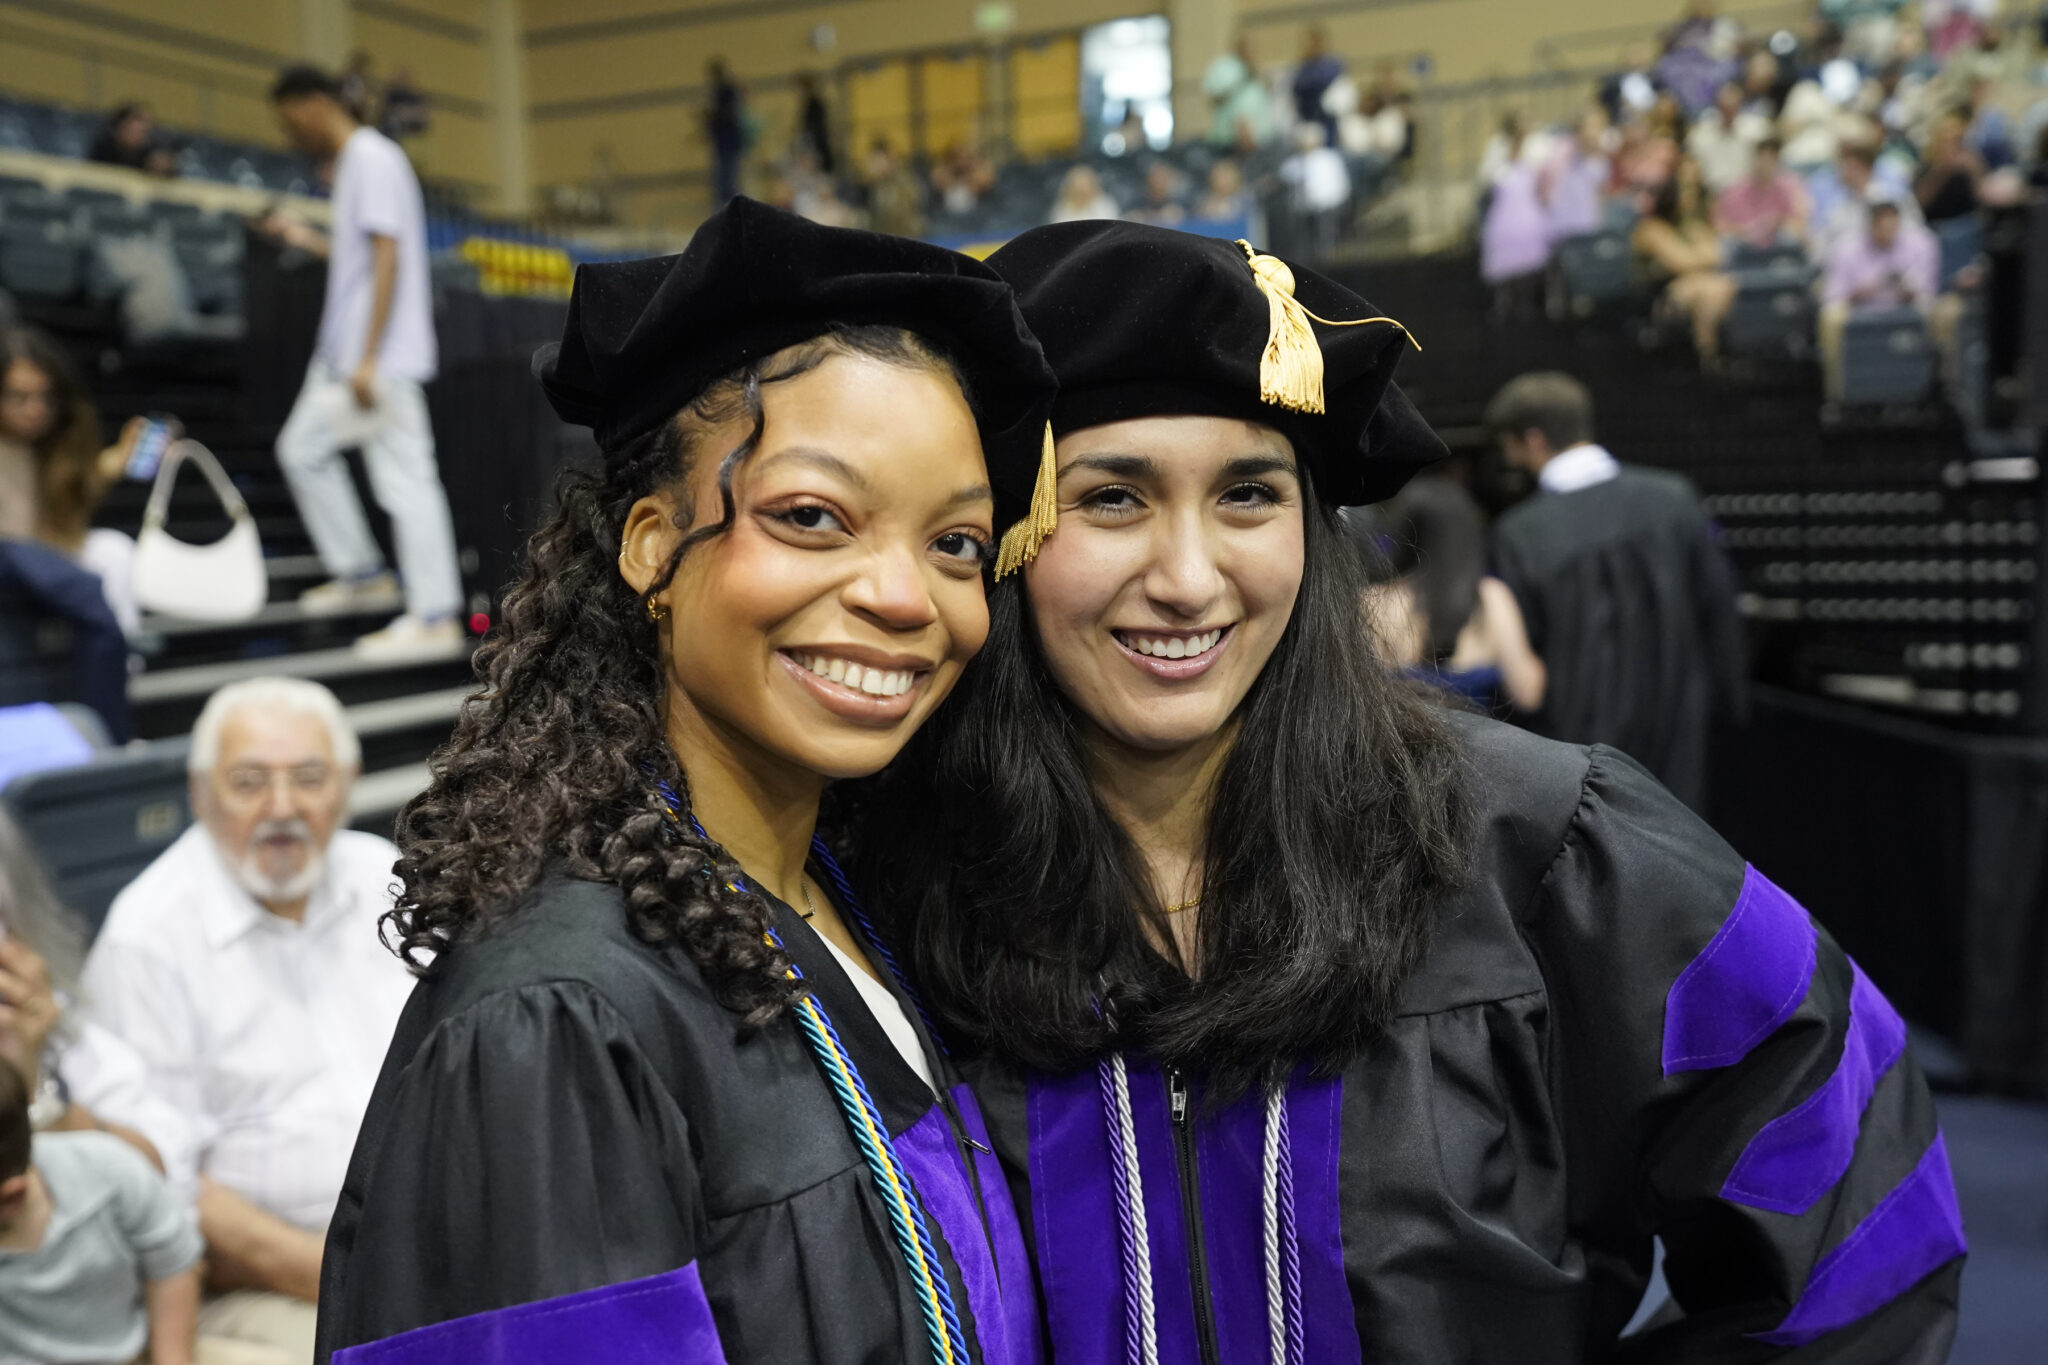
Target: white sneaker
[
  {"x": 410, "y": 637},
  {"x": 378, "y": 592}
]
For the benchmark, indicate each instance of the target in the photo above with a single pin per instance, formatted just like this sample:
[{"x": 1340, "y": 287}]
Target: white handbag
[{"x": 224, "y": 581}]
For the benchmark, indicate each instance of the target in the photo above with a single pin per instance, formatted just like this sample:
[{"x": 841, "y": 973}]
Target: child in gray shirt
[{"x": 97, "y": 1260}]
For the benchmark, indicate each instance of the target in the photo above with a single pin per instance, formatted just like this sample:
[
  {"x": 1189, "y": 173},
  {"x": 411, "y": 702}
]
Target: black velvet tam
[
  {"x": 1142, "y": 321},
  {"x": 646, "y": 337}
]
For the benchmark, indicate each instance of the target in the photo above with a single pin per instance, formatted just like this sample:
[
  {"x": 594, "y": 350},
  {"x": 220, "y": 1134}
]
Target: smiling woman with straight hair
[
  {"x": 1316, "y": 1023},
  {"x": 658, "y": 1095}
]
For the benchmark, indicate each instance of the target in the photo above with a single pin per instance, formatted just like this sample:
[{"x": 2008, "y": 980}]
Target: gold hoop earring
[{"x": 657, "y": 611}]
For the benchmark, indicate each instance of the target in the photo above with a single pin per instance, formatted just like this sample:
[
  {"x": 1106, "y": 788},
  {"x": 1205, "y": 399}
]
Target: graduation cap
[
  {"x": 644, "y": 338},
  {"x": 1141, "y": 321}
]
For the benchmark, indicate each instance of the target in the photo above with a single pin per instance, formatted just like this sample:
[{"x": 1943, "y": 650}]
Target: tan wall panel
[
  {"x": 459, "y": 11},
  {"x": 438, "y": 62},
  {"x": 1045, "y": 82},
  {"x": 268, "y": 24},
  {"x": 47, "y": 58},
  {"x": 954, "y": 89}
]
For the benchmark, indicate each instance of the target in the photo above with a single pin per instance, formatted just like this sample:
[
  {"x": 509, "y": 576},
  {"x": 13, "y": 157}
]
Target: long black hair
[
  {"x": 1337, "y": 823},
  {"x": 556, "y": 761}
]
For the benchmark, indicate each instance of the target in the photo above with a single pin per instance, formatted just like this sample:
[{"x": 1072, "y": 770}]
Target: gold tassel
[
  {"x": 1020, "y": 543},
  {"x": 1291, "y": 367}
]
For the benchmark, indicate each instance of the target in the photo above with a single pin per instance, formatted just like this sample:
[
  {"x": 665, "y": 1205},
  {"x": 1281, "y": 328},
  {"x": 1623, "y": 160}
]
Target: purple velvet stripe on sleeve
[
  {"x": 1073, "y": 1214},
  {"x": 1914, "y": 1230},
  {"x": 1746, "y": 982},
  {"x": 1230, "y": 1151},
  {"x": 1006, "y": 1236},
  {"x": 661, "y": 1320},
  {"x": 1005, "y": 1319},
  {"x": 1798, "y": 1156}
]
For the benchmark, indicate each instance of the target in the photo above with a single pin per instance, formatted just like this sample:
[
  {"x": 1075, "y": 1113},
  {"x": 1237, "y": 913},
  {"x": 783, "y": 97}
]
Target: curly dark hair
[{"x": 557, "y": 761}]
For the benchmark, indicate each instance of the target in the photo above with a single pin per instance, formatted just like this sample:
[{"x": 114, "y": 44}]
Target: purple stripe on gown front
[
  {"x": 1913, "y": 1231},
  {"x": 1073, "y": 1212},
  {"x": 660, "y": 1320},
  {"x": 1798, "y": 1156},
  {"x": 999, "y": 1288},
  {"x": 1230, "y": 1151},
  {"x": 1747, "y": 981}
]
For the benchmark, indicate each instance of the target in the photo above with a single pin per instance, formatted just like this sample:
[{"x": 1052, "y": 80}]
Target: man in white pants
[{"x": 376, "y": 348}]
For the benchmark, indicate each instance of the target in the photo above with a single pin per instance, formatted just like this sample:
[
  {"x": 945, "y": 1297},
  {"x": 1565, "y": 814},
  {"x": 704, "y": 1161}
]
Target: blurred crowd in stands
[
  {"x": 1862, "y": 145},
  {"x": 1290, "y": 153}
]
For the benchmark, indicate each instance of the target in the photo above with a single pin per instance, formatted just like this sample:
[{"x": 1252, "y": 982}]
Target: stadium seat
[
  {"x": 1786, "y": 262},
  {"x": 1887, "y": 357},
  {"x": 35, "y": 206},
  {"x": 1773, "y": 315},
  {"x": 40, "y": 259},
  {"x": 89, "y": 198},
  {"x": 1594, "y": 269},
  {"x": 1960, "y": 239},
  {"x": 98, "y": 824}
]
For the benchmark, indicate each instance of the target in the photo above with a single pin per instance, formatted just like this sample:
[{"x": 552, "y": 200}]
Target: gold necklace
[
  {"x": 1184, "y": 905},
  {"x": 809, "y": 909}
]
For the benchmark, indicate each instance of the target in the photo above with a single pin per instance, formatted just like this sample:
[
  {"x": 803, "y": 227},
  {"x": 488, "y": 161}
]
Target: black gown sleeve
[
  {"x": 526, "y": 1151},
  {"x": 1734, "y": 1085}
]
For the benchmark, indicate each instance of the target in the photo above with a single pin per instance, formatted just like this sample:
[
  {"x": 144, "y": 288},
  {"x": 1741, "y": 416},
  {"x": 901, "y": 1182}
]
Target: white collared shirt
[
  {"x": 264, "y": 1034},
  {"x": 1577, "y": 467}
]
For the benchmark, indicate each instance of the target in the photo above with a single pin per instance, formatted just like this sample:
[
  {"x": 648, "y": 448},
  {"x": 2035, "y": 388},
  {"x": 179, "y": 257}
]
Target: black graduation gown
[
  {"x": 1631, "y": 606},
  {"x": 1620, "y": 1031},
  {"x": 572, "y": 1154}
]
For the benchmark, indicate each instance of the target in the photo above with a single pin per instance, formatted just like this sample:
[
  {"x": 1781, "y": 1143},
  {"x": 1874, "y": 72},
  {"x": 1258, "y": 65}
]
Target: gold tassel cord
[
  {"x": 1291, "y": 366},
  {"x": 1020, "y": 543}
]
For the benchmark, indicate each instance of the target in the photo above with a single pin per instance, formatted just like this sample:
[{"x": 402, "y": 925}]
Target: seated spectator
[
  {"x": 1891, "y": 264},
  {"x": 1767, "y": 207},
  {"x": 1724, "y": 138},
  {"x": 53, "y": 470},
  {"x": 406, "y": 112},
  {"x": 98, "y": 1262},
  {"x": 1647, "y": 155},
  {"x": 962, "y": 178},
  {"x": 1370, "y": 124},
  {"x": 895, "y": 199},
  {"x": 1162, "y": 206},
  {"x": 1509, "y": 143},
  {"x": 1841, "y": 199},
  {"x": 1319, "y": 186},
  {"x": 1699, "y": 54},
  {"x": 1514, "y": 240},
  {"x": 1632, "y": 89},
  {"x": 1435, "y": 610},
  {"x": 1573, "y": 183},
  {"x": 1319, "y": 69},
  {"x": 1081, "y": 197},
  {"x": 244, "y": 965},
  {"x": 1240, "y": 110},
  {"x": 1990, "y": 131},
  {"x": 80, "y": 1077},
  {"x": 1808, "y": 127},
  {"x": 1765, "y": 82},
  {"x": 1226, "y": 199},
  {"x": 127, "y": 137},
  {"x": 1950, "y": 170},
  {"x": 1680, "y": 245}
]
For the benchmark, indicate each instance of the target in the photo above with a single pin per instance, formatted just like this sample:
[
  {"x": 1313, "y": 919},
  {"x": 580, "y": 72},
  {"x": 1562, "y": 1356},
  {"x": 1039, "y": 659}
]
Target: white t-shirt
[
  {"x": 376, "y": 194},
  {"x": 265, "y": 1035}
]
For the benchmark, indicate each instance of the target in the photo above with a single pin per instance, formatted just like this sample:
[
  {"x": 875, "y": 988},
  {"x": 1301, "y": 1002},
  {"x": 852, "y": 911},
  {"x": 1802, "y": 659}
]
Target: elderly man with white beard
[{"x": 244, "y": 964}]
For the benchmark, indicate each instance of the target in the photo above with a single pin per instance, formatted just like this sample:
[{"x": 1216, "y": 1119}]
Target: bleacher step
[
  {"x": 287, "y": 613},
  {"x": 322, "y": 665},
  {"x": 374, "y": 803}
]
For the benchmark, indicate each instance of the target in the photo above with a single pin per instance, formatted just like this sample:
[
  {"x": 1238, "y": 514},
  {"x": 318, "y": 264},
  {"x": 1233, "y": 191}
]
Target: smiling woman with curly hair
[{"x": 658, "y": 1089}]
